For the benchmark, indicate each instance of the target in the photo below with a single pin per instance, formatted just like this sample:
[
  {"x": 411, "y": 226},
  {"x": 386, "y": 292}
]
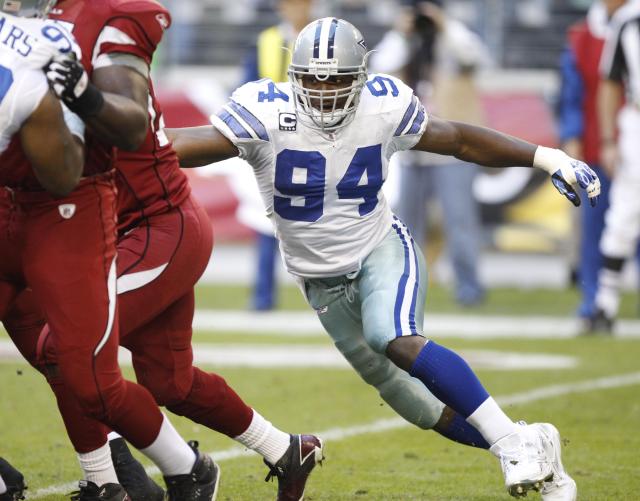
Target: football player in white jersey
[
  {"x": 28, "y": 109},
  {"x": 319, "y": 146}
]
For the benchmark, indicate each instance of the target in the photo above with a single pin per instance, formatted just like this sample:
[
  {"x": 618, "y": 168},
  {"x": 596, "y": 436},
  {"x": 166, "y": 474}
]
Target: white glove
[{"x": 567, "y": 174}]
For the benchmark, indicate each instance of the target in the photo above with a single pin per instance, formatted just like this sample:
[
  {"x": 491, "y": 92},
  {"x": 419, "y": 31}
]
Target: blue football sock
[
  {"x": 449, "y": 378},
  {"x": 462, "y": 432}
]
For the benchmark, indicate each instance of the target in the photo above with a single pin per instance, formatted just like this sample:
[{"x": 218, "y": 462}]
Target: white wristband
[
  {"x": 549, "y": 159},
  {"x": 74, "y": 122}
]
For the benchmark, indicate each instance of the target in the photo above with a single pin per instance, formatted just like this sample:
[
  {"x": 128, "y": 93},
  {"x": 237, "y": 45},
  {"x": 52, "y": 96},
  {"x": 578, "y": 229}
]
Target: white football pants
[
  {"x": 364, "y": 313},
  {"x": 622, "y": 220}
]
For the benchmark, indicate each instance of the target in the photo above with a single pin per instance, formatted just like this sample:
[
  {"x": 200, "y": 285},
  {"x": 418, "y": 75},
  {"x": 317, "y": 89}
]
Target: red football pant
[
  {"x": 159, "y": 262},
  {"x": 66, "y": 252}
]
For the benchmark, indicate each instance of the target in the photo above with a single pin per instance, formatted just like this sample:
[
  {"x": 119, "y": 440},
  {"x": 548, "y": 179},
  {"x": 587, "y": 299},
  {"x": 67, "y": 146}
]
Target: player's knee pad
[
  {"x": 168, "y": 387},
  {"x": 371, "y": 366},
  {"x": 95, "y": 397},
  {"x": 411, "y": 399},
  {"x": 406, "y": 395}
]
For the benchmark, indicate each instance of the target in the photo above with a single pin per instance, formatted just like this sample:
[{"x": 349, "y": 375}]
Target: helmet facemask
[
  {"x": 327, "y": 109},
  {"x": 27, "y": 8}
]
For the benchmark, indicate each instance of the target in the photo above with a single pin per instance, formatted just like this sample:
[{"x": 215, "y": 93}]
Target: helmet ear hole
[{"x": 327, "y": 73}]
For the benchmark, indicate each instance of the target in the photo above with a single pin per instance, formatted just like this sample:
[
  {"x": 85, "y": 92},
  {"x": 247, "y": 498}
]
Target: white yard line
[
  {"x": 306, "y": 323},
  {"x": 337, "y": 434},
  {"x": 291, "y": 356}
]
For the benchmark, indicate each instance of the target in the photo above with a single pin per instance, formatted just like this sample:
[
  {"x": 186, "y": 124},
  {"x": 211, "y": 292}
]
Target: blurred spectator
[
  {"x": 180, "y": 40},
  {"x": 438, "y": 56},
  {"x": 533, "y": 13},
  {"x": 620, "y": 157},
  {"x": 270, "y": 59},
  {"x": 579, "y": 133},
  {"x": 239, "y": 11}
]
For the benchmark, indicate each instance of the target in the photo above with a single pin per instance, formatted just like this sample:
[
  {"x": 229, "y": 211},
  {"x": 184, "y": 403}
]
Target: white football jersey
[
  {"x": 26, "y": 46},
  {"x": 323, "y": 192}
]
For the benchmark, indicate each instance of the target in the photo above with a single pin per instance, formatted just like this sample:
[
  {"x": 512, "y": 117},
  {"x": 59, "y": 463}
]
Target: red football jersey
[{"x": 149, "y": 180}]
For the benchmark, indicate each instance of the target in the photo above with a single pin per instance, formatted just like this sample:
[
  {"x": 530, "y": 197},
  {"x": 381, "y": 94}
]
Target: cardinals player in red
[
  {"x": 62, "y": 250},
  {"x": 164, "y": 244}
]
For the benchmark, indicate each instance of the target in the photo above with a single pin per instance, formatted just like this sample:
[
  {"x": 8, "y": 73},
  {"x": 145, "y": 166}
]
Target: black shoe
[
  {"x": 107, "y": 492},
  {"x": 599, "y": 323},
  {"x": 294, "y": 467},
  {"x": 14, "y": 481},
  {"x": 199, "y": 485},
  {"x": 131, "y": 474}
]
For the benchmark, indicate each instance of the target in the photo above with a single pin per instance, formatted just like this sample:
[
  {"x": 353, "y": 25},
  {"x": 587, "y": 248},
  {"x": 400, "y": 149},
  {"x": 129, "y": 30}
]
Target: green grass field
[{"x": 598, "y": 421}]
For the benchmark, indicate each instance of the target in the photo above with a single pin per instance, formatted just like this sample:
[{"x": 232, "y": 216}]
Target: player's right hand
[{"x": 70, "y": 82}]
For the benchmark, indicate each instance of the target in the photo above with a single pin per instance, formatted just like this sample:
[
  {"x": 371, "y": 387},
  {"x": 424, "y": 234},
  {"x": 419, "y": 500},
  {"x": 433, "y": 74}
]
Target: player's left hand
[
  {"x": 573, "y": 174},
  {"x": 568, "y": 174},
  {"x": 70, "y": 82}
]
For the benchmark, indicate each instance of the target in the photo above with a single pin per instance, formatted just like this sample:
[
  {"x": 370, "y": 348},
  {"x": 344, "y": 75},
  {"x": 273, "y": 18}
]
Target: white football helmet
[
  {"x": 328, "y": 48},
  {"x": 28, "y": 8}
]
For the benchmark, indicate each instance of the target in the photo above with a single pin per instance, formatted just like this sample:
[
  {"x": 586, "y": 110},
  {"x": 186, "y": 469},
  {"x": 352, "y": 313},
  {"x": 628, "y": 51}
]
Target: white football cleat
[
  {"x": 524, "y": 460},
  {"x": 562, "y": 487}
]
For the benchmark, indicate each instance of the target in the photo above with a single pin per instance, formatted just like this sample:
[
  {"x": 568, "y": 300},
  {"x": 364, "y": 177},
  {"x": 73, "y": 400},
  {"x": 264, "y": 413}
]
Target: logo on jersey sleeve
[
  {"x": 67, "y": 210},
  {"x": 288, "y": 122}
]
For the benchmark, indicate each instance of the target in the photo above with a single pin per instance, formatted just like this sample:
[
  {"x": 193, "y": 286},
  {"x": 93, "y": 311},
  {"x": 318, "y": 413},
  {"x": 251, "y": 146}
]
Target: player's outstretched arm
[
  {"x": 198, "y": 146},
  {"x": 475, "y": 144},
  {"x": 57, "y": 156},
  {"x": 113, "y": 103},
  {"x": 491, "y": 148}
]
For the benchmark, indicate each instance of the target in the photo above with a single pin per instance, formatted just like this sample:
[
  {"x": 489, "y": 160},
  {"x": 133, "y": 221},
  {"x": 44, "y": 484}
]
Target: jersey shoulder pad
[
  {"x": 145, "y": 21},
  {"x": 390, "y": 99},
  {"x": 265, "y": 98},
  {"x": 252, "y": 111},
  {"x": 385, "y": 94},
  {"x": 137, "y": 7},
  {"x": 264, "y": 94}
]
